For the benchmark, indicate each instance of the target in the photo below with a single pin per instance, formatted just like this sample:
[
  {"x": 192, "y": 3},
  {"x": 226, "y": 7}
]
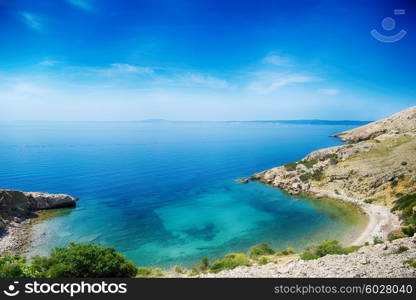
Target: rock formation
[{"x": 16, "y": 206}]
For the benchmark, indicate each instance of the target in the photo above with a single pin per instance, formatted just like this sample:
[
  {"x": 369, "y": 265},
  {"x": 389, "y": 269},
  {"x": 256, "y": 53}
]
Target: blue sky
[{"x": 204, "y": 60}]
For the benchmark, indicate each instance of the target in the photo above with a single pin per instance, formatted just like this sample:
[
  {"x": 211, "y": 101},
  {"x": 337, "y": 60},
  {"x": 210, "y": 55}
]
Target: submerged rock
[{"x": 242, "y": 180}]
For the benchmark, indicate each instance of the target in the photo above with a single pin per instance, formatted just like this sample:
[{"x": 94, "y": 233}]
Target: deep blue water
[{"x": 164, "y": 193}]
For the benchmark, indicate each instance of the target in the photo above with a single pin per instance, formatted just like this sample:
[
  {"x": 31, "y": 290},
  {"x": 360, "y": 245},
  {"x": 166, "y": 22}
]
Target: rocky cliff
[
  {"x": 377, "y": 166},
  {"x": 16, "y": 206}
]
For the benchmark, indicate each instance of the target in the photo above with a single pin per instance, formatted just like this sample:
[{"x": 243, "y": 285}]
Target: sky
[{"x": 108, "y": 60}]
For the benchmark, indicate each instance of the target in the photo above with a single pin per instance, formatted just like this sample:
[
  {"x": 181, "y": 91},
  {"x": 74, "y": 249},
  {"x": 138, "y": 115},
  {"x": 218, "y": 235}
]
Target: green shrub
[
  {"x": 178, "y": 269},
  {"x": 305, "y": 177},
  {"x": 394, "y": 235},
  {"x": 325, "y": 248},
  {"x": 264, "y": 260},
  {"x": 405, "y": 204},
  {"x": 261, "y": 249},
  {"x": 308, "y": 163},
  {"x": 411, "y": 262},
  {"x": 291, "y": 166},
  {"x": 143, "y": 272},
  {"x": 308, "y": 256},
  {"x": 84, "y": 260},
  {"x": 287, "y": 251},
  {"x": 401, "y": 249},
  {"x": 203, "y": 264},
  {"x": 230, "y": 261},
  {"x": 15, "y": 267},
  {"x": 377, "y": 240},
  {"x": 336, "y": 192},
  {"x": 317, "y": 175},
  {"x": 194, "y": 272},
  {"x": 333, "y": 159},
  {"x": 403, "y": 163},
  {"x": 409, "y": 230}
]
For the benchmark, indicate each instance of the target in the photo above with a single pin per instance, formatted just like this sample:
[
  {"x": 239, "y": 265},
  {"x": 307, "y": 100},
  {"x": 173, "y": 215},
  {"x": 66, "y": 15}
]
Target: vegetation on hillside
[
  {"x": 407, "y": 206},
  {"x": 74, "y": 260},
  {"x": 325, "y": 248}
]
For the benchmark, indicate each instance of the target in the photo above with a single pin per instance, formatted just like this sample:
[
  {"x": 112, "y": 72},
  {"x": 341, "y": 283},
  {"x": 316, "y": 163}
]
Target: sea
[{"x": 164, "y": 193}]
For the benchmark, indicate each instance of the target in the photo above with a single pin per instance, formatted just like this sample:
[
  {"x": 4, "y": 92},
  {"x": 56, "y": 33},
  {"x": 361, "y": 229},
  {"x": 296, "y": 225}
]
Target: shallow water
[{"x": 164, "y": 193}]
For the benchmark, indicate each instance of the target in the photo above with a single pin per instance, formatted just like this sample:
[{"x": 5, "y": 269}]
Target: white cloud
[
  {"x": 267, "y": 82},
  {"x": 82, "y": 4},
  {"x": 330, "y": 92},
  {"x": 276, "y": 60},
  {"x": 203, "y": 80},
  {"x": 49, "y": 62},
  {"x": 32, "y": 21},
  {"x": 118, "y": 68}
]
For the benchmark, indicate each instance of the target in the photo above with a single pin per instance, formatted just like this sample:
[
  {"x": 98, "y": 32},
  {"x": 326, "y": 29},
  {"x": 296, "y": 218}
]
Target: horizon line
[{"x": 196, "y": 121}]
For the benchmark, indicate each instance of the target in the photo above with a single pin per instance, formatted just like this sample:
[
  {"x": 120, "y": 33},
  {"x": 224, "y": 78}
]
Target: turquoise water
[{"x": 164, "y": 193}]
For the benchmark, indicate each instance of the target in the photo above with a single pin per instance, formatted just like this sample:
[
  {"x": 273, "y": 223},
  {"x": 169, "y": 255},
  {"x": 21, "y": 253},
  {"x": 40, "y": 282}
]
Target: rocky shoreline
[
  {"x": 18, "y": 210},
  {"x": 375, "y": 168},
  {"x": 385, "y": 260}
]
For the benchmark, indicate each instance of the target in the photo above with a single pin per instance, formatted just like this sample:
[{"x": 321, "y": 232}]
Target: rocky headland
[
  {"x": 376, "y": 167},
  {"x": 18, "y": 208}
]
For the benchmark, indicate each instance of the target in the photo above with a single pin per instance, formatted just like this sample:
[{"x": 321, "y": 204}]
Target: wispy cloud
[
  {"x": 49, "y": 62},
  {"x": 197, "y": 79},
  {"x": 330, "y": 92},
  {"x": 114, "y": 69},
  {"x": 118, "y": 68},
  {"x": 32, "y": 21},
  {"x": 82, "y": 4},
  {"x": 276, "y": 60},
  {"x": 268, "y": 82}
]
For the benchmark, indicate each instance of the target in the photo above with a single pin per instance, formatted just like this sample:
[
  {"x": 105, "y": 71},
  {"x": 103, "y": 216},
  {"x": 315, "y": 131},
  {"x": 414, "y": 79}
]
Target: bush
[
  {"x": 305, "y": 177},
  {"x": 325, "y": 248},
  {"x": 264, "y": 260},
  {"x": 261, "y": 249},
  {"x": 287, "y": 251},
  {"x": 84, "y": 260},
  {"x": 143, "y": 272},
  {"x": 403, "y": 163},
  {"x": 15, "y": 267},
  {"x": 333, "y": 159},
  {"x": 406, "y": 205},
  {"x": 308, "y": 256},
  {"x": 308, "y": 163},
  {"x": 409, "y": 230},
  {"x": 204, "y": 264},
  {"x": 377, "y": 240},
  {"x": 411, "y": 262},
  {"x": 178, "y": 269},
  {"x": 401, "y": 250},
  {"x": 290, "y": 166},
  {"x": 230, "y": 261},
  {"x": 394, "y": 235},
  {"x": 317, "y": 175}
]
